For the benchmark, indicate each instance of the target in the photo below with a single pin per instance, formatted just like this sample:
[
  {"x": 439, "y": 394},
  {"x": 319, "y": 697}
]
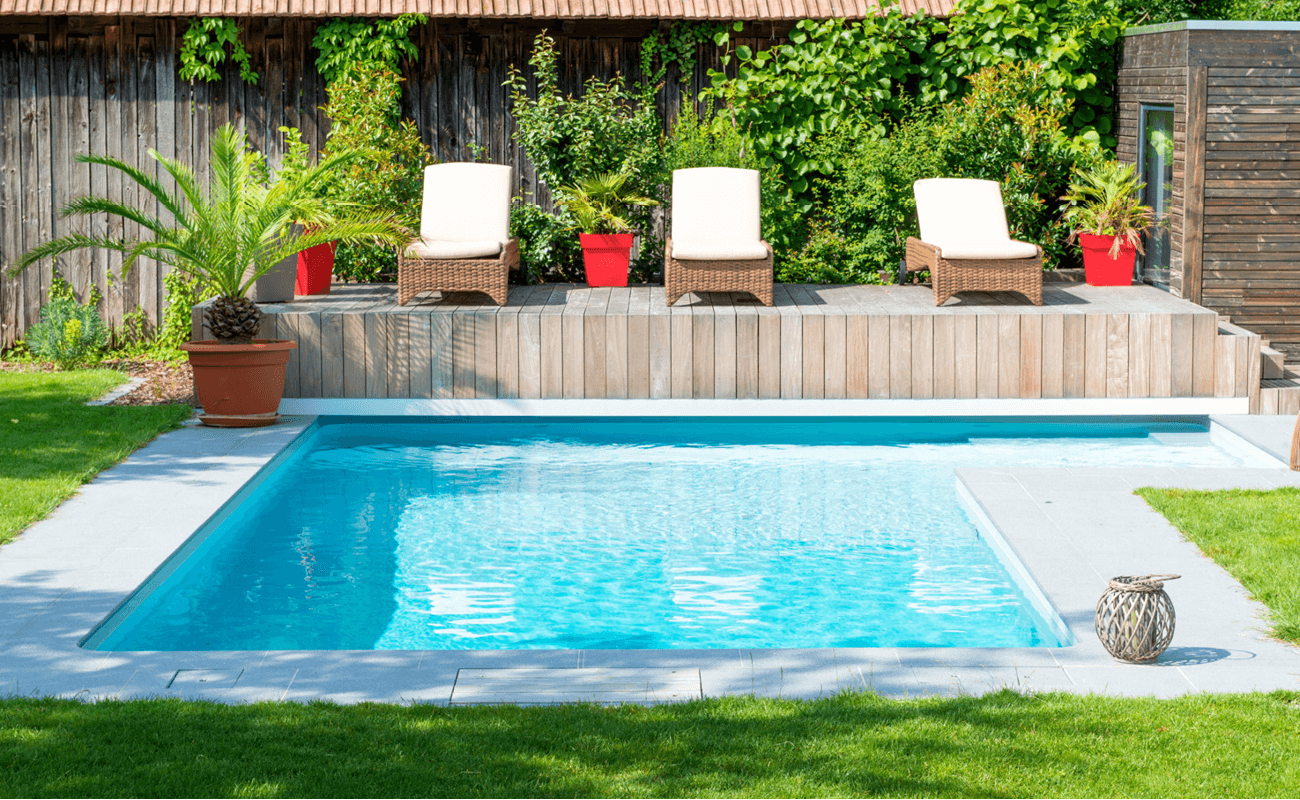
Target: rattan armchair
[
  {"x": 715, "y": 244},
  {"x": 965, "y": 243},
  {"x": 464, "y": 243}
]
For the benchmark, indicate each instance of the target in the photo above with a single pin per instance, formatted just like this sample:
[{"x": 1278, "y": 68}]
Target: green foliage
[
  {"x": 1152, "y": 12},
  {"x": 387, "y": 177},
  {"x": 570, "y": 139},
  {"x": 51, "y": 442},
  {"x": 832, "y": 73},
  {"x": 1261, "y": 10},
  {"x": 1103, "y": 201},
  {"x": 136, "y": 338},
  {"x": 1008, "y": 129},
  {"x": 69, "y": 334},
  {"x": 1072, "y": 40},
  {"x": 236, "y": 231},
  {"x": 203, "y": 49},
  {"x": 679, "y": 46},
  {"x": 362, "y": 262},
  {"x": 346, "y": 45},
  {"x": 599, "y": 203},
  {"x": 1252, "y": 534},
  {"x": 868, "y": 75},
  {"x": 547, "y": 246}
]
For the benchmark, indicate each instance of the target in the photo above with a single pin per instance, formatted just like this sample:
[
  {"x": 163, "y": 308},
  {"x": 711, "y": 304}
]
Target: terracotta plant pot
[
  {"x": 315, "y": 269},
  {"x": 605, "y": 256},
  {"x": 1099, "y": 269},
  {"x": 239, "y": 385}
]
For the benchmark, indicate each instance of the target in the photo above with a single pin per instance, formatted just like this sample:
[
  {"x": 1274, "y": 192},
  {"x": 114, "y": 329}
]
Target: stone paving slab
[{"x": 1072, "y": 529}]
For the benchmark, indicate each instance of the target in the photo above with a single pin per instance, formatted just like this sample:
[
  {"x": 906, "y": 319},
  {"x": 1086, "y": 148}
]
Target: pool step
[{"x": 531, "y": 687}]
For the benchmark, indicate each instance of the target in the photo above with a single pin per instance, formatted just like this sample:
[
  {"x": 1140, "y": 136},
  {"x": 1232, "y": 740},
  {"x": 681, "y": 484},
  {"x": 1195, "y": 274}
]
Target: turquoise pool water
[{"x": 474, "y": 533}]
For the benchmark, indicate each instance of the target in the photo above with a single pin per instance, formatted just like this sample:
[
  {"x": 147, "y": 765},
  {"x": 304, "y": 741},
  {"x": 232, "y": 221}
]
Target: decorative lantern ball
[{"x": 1135, "y": 618}]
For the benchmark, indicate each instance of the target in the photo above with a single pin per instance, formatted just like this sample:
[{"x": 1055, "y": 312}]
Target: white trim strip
[{"x": 1017, "y": 407}]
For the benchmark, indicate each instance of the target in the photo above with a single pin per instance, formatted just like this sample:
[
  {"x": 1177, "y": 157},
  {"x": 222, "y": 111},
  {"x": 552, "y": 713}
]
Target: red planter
[
  {"x": 1099, "y": 269},
  {"x": 315, "y": 267},
  {"x": 605, "y": 255},
  {"x": 239, "y": 385}
]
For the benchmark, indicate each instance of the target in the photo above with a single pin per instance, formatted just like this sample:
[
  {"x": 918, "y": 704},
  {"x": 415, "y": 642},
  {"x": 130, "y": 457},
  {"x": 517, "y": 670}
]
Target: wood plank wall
[
  {"x": 1251, "y": 245},
  {"x": 71, "y": 85},
  {"x": 559, "y": 341},
  {"x": 1153, "y": 71}
]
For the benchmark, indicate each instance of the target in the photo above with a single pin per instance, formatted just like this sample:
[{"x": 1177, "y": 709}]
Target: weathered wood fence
[{"x": 108, "y": 85}]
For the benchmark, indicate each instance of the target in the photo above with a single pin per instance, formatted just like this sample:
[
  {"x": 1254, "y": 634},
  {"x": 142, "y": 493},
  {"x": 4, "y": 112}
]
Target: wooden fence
[{"x": 72, "y": 85}]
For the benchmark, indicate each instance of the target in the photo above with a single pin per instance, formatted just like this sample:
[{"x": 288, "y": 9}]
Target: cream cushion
[
  {"x": 716, "y": 215},
  {"x": 464, "y": 204},
  {"x": 965, "y": 218},
  {"x": 429, "y": 248}
]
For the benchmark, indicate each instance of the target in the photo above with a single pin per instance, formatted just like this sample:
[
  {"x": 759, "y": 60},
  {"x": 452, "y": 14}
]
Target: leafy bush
[
  {"x": 866, "y": 75},
  {"x": 365, "y": 113},
  {"x": 571, "y": 139},
  {"x": 68, "y": 334},
  {"x": 1009, "y": 128}
]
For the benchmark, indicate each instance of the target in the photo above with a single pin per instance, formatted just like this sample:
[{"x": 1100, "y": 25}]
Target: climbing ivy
[
  {"x": 680, "y": 46},
  {"x": 203, "y": 49},
  {"x": 346, "y": 44}
]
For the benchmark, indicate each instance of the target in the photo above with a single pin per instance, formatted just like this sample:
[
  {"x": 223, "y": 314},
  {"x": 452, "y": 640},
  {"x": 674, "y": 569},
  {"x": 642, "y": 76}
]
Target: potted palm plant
[
  {"x": 226, "y": 239},
  {"x": 599, "y": 206},
  {"x": 1108, "y": 219}
]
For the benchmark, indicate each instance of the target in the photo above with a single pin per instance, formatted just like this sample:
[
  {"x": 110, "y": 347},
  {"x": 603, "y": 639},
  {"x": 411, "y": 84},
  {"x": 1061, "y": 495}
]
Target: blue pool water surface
[{"x": 489, "y": 533}]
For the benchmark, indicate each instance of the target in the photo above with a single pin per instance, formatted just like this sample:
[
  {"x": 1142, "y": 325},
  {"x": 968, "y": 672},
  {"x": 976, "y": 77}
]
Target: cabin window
[{"x": 1156, "y": 169}]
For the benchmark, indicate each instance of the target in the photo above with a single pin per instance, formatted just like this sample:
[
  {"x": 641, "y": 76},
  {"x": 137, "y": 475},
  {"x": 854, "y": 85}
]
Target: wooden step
[
  {"x": 1280, "y": 395},
  {"x": 1274, "y": 363}
]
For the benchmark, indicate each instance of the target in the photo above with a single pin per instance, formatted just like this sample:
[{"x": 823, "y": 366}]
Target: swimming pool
[{"x": 471, "y": 533}]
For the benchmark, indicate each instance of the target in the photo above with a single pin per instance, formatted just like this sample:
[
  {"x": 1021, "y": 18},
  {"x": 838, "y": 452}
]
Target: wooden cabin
[{"x": 1210, "y": 114}]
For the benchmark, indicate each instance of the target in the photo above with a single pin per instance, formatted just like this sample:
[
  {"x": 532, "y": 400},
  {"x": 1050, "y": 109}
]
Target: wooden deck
[{"x": 566, "y": 341}]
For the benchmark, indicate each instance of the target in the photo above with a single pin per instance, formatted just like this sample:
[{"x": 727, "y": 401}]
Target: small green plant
[
  {"x": 1104, "y": 201},
  {"x": 203, "y": 49},
  {"x": 69, "y": 334},
  {"x": 345, "y": 45},
  {"x": 599, "y": 204},
  {"x": 546, "y": 241}
]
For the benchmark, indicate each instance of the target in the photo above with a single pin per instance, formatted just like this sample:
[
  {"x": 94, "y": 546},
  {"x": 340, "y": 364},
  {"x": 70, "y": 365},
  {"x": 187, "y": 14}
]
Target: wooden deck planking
[{"x": 817, "y": 342}]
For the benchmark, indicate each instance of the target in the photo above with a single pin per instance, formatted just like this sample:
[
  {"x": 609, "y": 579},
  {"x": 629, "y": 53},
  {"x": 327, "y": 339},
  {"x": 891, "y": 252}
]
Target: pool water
[{"x": 477, "y": 533}]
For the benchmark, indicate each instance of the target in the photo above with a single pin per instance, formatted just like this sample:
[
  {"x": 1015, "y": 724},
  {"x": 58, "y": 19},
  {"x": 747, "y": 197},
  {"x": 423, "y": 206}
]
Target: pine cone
[{"x": 234, "y": 320}]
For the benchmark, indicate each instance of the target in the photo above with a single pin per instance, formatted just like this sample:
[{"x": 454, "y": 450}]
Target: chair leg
[
  {"x": 499, "y": 296},
  {"x": 404, "y": 294},
  {"x": 941, "y": 295},
  {"x": 671, "y": 297}
]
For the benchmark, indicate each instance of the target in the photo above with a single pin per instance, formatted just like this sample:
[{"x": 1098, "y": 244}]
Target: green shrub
[
  {"x": 1262, "y": 10},
  {"x": 69, "y": 334},
  {"x": 571, "y": 139},
  {"x": 346, "y": 44},
  {"x": 1009, "y": 128}
]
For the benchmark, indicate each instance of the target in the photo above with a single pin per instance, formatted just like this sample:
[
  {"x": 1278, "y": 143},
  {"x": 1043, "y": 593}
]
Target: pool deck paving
[{"x": 1071, "y": 528}]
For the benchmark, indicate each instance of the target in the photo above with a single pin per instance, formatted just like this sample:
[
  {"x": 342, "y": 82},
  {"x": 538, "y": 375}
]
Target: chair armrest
[{"x": 920, "y": 255}]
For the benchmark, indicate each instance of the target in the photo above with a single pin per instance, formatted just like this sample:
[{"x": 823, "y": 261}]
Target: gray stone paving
[{"x": 1073, "y": 529}]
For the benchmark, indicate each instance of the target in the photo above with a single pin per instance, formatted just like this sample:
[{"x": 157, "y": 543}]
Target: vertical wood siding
[{"x": 110, "y": 86}]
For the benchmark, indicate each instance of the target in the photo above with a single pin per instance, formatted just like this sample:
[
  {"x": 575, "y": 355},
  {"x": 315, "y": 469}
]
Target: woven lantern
[{"x": 1135, "y": 618}]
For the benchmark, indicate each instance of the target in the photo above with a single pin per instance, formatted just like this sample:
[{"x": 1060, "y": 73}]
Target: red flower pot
[
  {"x": 605, "y": 255},
  {"x": 239, "y": 385},
  {"x": 315, "y": 267},
  {"x": 1099, "y": 269}
]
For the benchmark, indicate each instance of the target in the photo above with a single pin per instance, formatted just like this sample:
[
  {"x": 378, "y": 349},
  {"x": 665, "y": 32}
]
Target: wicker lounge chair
[
  {"x": 464, "y": 243},
  {"x": 965, "y": 243},
  {"x": 715, "y": 244}
]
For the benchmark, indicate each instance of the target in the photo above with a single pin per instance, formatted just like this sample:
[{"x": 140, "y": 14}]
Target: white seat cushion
[
  {"x": 719, "y": 251},
  {"x": 993, "y": 250},
  {"x": 429, "y": 248},
  {"x": 716, "y": 214},
  {"x": 466, "y": 202}
]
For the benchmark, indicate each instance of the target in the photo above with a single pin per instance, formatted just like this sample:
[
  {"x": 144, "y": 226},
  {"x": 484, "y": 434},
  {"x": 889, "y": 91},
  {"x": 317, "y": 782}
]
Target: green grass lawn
[
  {"x": 51, "y": 442},
  {"x": 1254, "y": 535},
  {"x": 1000, "y": 745}
]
